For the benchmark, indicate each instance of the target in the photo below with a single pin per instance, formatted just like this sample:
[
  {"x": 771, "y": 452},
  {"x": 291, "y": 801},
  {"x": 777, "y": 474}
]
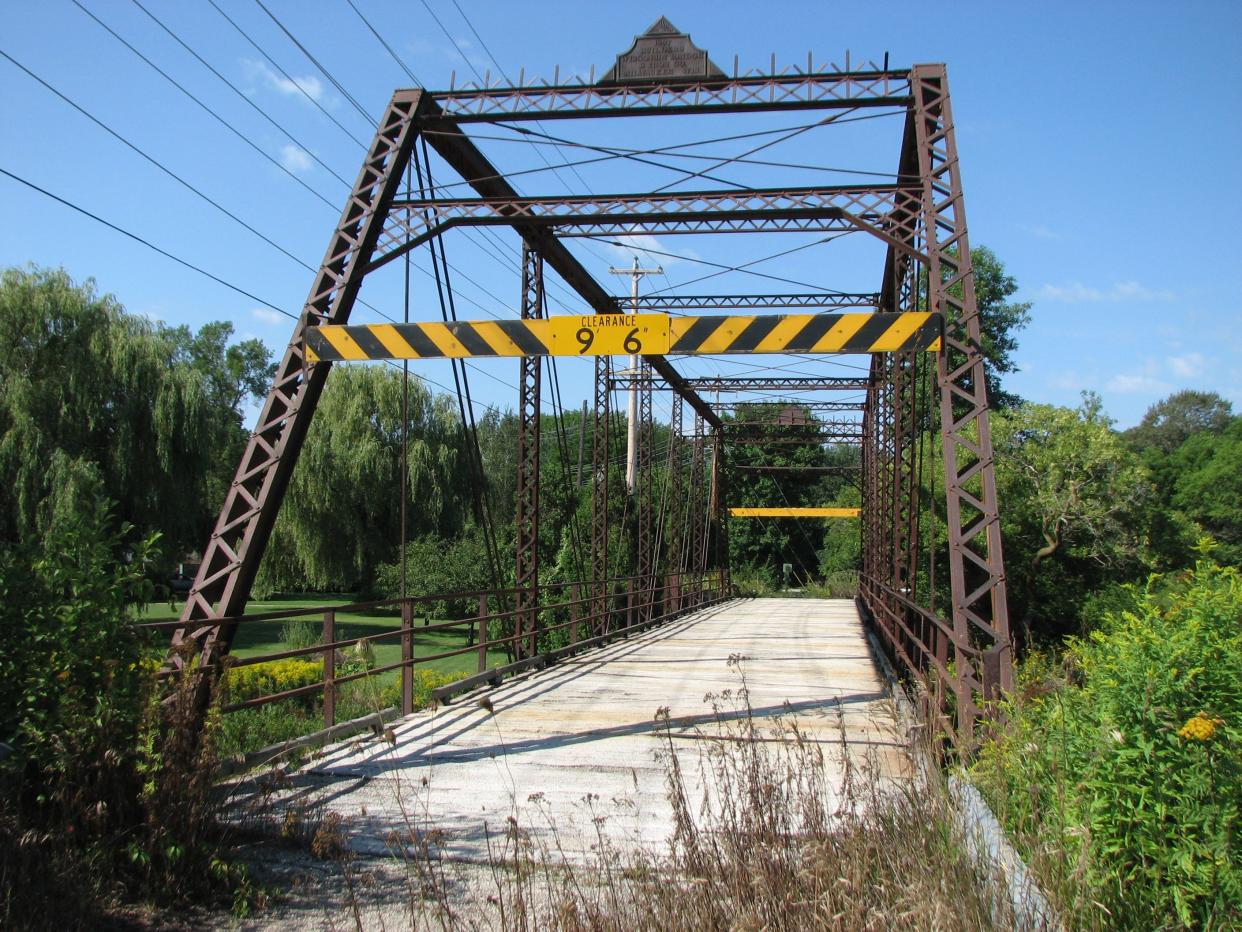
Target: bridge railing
[
  {"x": 529, "y": 629},
  {"x": 927, "y": 648}
]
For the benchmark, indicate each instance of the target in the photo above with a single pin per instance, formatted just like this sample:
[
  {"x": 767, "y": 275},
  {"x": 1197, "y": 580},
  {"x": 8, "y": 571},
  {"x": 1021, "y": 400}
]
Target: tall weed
[{"x": 1120, "y": 767}]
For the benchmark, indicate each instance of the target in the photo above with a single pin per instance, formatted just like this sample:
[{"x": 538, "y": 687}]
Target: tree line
[{"x": 100, "y": 404}]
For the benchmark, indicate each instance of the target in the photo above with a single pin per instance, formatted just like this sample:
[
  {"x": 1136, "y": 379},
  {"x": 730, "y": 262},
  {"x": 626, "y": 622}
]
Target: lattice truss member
[{"x": 754, "y": 154}]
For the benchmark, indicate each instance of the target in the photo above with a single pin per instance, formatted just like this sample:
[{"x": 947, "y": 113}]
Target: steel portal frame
[{"x": 921, "y": 220}]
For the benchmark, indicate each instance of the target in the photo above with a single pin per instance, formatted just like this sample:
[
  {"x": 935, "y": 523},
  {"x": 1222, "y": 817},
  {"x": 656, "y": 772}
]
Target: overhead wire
[
  {"x": 294, "y": 82},
  {"x": 236, "y": 90},
  {"x": 744, "y": 267},
  {"x": 362, "y": 111},
  {"x": 211, "y": 112},
  {"x": 145, "y": 242},
  {"x": 474, "y": 457},
  {"x": 155, "y": 162},
  {"x": 246, "y": 139}
]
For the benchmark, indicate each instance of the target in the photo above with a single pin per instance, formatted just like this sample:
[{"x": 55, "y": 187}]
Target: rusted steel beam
[
  {"x": 976, "y": 564},
  {"x": 232, "y": 554},
  {"x": 601, "y": 455},
  {"x": 796, "y": 90},
  {"x": 828, "y": 299},
  {"x": 872, "y": 208},
  {"x": 791, "y": 384},
  {"x": 465, "y": 158},
  {"x": 526, "y": 522}
]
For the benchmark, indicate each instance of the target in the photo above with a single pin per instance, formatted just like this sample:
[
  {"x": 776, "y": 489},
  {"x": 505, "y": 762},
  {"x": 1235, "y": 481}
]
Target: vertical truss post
[
  {"x": 674, "y": 533},
  {"x": 526, "y": 579},
  {"x": 600, "y": 453},
  {"x": 698, "y": 506},
  {"x": 867, "y": 478},
  {"x": 904, "y": 486},
  {"x": 885, "y": 471},
  {"x": 720, "y": 513},
  {"x": 976, "y": 566},
  {"x": 231, "y": 556},
  {"x": 645, "y": 500}
]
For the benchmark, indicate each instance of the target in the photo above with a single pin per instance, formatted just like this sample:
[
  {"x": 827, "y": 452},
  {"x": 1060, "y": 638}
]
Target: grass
[
  {"x": 251, "y": 729},
  {"x": 253, "y": 639}
]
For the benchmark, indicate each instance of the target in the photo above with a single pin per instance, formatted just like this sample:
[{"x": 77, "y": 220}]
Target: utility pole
[{"x": 631, "y": 442}]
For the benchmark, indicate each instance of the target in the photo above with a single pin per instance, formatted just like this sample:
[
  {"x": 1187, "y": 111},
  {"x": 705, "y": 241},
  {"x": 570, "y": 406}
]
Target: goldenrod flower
[{"x": 1199, "y": 727}]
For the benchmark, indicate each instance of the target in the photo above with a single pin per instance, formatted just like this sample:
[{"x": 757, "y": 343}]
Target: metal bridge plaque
[{"x": 661, "y": 53}]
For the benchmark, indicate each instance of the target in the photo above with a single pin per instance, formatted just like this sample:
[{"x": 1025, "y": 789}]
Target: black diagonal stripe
[
  {"x": 876, "y": 326},
  {"x": 806, "y": 338},
  {"x": 699, "y": 331},
  {"x": 419, "y": 342},
  {"x": 926, "y": 335},
  {"x": 519, "y": 333},
  {"x": 755, "y": 331},
  {"x": 368, "y": 343},
  {"x": 320, "y": 345},
  {"x": 467, "y": 336}
]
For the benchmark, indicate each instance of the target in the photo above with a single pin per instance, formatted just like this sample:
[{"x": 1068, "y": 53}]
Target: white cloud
[
  {"x": 309, "y": 85},
  {"x": 267, "y": 315},
  {"x": 1129, "y": 384},
  {"x": 295, "y": 158},
  {"x": 649, "y": 249},
  {"x": 1039, "y": 231},
  {"x": 1119, "y": 291},
  {"x": 1070, "y": 381},
  {"x": 1188, "y": 366}
]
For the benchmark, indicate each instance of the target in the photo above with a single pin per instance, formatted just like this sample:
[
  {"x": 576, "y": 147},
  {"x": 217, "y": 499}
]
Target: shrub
[
  {"x": 435, "y": 565},
  {"x": 298, "y": 632},
  {"x": 274, "y": 676},
  {"x": 753, "y": 581},
  {"x": 843, "y": 584},
  {"x": 106, "y": 793},
  {"x": 1131, "y": 752}
]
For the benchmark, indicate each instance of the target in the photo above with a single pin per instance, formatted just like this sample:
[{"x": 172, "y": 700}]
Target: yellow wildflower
[{"x": 1199, "y": 727}]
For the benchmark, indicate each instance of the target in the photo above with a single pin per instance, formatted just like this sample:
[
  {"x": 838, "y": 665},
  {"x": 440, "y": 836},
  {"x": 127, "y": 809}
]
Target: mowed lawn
[{"x": 256, "y": 638}]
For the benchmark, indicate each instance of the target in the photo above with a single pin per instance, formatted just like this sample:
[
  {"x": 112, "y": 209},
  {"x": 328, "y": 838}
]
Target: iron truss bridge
[{"x": 918, "y": 381}]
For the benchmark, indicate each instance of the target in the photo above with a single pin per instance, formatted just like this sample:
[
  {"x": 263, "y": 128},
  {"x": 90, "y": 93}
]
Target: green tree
[
  {"x": 774, "y": 481},
  {"x": 89, "y": 392},
  {"x": 1179, "y": 438},
  {"x": 1000, "y": 321},
  {"x": 1208, "y": 486},
  {"x": 340, "y": 519},
  {"x": 1171, "y": 422},
  {"x": 1076, "y": 505}
]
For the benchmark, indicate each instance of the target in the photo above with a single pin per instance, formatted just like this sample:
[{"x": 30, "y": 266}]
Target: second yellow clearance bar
[{"x": 795, "y": 512}]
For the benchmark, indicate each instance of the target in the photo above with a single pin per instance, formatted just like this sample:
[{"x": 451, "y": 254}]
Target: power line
[
  {"x": 388, "y": 48},
  {"x": 724, "y": 269},
  {"x": 223, "y": 122},
  {"x": 156, "y": 162},
  {"x": 288, "y": 77},
  {"x": 305, "y": 51},
  {"x": 138, "y": 239},
  {"x": 233, "y": 87}
]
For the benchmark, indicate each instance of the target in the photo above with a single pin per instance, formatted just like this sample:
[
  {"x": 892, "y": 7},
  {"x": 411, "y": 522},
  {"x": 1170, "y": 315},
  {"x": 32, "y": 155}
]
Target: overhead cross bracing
[{"x": 881, "y": 228}]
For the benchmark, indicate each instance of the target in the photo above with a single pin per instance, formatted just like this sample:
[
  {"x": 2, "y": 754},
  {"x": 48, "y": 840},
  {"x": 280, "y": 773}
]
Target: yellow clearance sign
[{"x": 609, "y": 335}]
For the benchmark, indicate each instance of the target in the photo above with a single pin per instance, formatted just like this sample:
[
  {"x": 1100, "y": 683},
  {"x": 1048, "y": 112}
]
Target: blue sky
[{"x": 1098, "y": 145}]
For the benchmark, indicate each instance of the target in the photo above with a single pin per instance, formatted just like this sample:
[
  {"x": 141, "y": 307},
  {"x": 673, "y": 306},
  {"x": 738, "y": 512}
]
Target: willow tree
[
  {"x": 341, "y": 518},
  {"x": 97, "y": 402}
]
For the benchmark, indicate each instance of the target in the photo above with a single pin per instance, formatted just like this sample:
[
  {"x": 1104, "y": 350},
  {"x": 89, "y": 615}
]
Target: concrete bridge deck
[{"x": 559, "y": 748}]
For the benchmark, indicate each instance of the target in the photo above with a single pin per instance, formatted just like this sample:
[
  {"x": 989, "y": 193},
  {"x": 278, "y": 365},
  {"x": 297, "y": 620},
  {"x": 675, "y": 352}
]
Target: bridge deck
[{"x": 579, "y": 740}]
